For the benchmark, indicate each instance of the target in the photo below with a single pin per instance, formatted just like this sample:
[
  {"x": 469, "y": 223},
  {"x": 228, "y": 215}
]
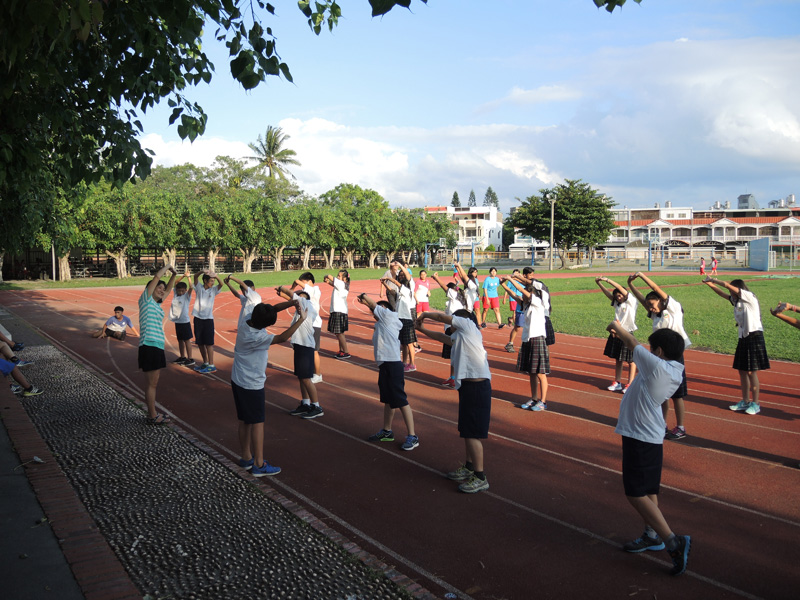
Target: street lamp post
[{"x": 551, "y": 197}]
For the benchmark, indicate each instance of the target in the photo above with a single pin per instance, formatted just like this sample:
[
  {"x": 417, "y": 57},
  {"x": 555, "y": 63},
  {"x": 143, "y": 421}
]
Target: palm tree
[{"x": 271, "y": 155}]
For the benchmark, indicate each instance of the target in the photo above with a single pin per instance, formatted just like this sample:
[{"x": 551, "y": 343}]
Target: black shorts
[
  {"x": 151, "y": 358},
  {"x": 183, "y": 331},
  {"x": 447, "y": 348},
  {"x": 474, "y": 409},
  {"x": 408, "y": 335},
  {"x": 250, "y": 404},
  {"x": 204, "y": 331},
  {"x": 683, "y": 388},
  {"x": 303, "y": 362},
  {"x": 641, "y": 467},
  {"x": 337, "y": 323},
  {"x": 392, "y": 384},
  {"x": 117, "y": 335}
]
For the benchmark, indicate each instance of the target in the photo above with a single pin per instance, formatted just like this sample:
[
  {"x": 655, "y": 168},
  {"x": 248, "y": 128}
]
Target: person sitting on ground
[
  {"x": 116, "y": 327},
  {"x": 11, "y": 367},
  {"x": 15, "y": 346},
  {"x": 8, "y": 353}
]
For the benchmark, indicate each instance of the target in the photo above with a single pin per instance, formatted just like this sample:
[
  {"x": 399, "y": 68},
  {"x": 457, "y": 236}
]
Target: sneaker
[
  {"x": 246, "y": 464},
  {"x": 17, "y": 347},
  {"x": 208, "y": 369},
  {"x": 180, "y": 360},
  {"x": 411, "y": 368},
  {"x": 200, "y": 367},
  {"x": 625, "y": 389},
  {"x": 265, "y": 469},
  {"x": 741, "y": 406},
  {"x": 23, "y": 363},
  {"x": 645, "y": 542},
  {"x": 406, "y": 367},
  {"x": 449, "y": 382},
  {"x": 16, "y": 388},
  {"x": 675, "y": 434},
  {"x": 189, "y": 362},
  {"x": 34, "y": 391},
  {"x": 615, "y": 387},
  {"x": 411, "y": 442},
  {"x": 527, "y": 406},
  {"x": 300, "y": 410},
  {"x": 753, "y": 409},
  {"x": 483, "y": 325},
  {"x": 680, "y": 556},
  {"x": 539, "y": 406},
  {"x": 509, "y": 347},
  {"x": 342, "y": 355},
  {"x": 462, "y": 473},
  {"x": 382, "y": 436},
  {"x": 474, "y": 485},
  {"x": 313, "y": 412},
  {"x": 316, "y": 378},
  {"x": 501, "y": 325}
]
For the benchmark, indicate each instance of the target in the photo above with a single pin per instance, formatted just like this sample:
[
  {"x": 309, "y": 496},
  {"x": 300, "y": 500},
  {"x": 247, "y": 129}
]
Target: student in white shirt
[
  {"x": 473, "y": 382},
  {"x": 456, "y": 300},
  {"x": 472, "y": 289},
  {"x": 203, "y": 312},
  {"x": 391, "y": 374},
  {"x": 337, "y": 322},
  {"x": 624, "y": 304},
  {"x": 179, "y": 314},
  {"x": 306, "y": 283},
  {"x": 406, "y": 312},
  {"x": 248, "y": 296},
  {"x": 751, "y": 351}
]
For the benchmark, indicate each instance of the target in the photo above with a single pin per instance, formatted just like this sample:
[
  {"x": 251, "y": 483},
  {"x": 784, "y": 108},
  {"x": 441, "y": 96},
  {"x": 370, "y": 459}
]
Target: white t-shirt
[
  {"x": 671, "y": 318},
  {"x": 204, "y": 301},
  {"x": 179, "y": 308},
  {"x": 640, "y": 415},
  {"x": 472, "y": 292},
  {"x": 339, "y": 297},
  {"x": 534, "y": 319},
  {"x": 453, "y": 303},
  {"x": 747, "y": 313},
  {"x": 304, "y": 336},
  {"x": 422, "y": 292},
  {"x": 390, "y": 285},
  {"x": 625, "y": 313},
  {"x": 248, "y": 300},
  {"x": 314, "y": 294},
  {"x": 250, "y": 357},
  {"x": 385, "y": 338},
  {"x": 405, "y": 301},
  {"x": 468, "y": 354}
]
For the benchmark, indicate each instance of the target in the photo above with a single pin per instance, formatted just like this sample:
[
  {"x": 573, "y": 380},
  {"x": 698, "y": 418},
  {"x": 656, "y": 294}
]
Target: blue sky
[{"x": 688, "y": 101}]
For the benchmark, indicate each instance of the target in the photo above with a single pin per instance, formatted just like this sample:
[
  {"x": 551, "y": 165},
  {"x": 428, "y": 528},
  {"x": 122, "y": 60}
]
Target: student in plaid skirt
[
  {"x": 751, "y": 351},
  {"x": 625, "y": 305},
  {"x": 406, "y": 311},
  {"x": 337, "y": 322}
]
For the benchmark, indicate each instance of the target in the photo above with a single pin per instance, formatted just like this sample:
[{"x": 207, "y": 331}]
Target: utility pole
[{"x": 552, "y": 198}]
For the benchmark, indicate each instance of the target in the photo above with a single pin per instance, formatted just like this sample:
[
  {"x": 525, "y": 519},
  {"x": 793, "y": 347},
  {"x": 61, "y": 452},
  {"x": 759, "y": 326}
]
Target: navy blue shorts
[
  {"x": 303, "y": 362},
  {"x": 474, "y": 409},
  {"x": 250, "y": 404},
  {"x": 519, "y": 319},
  {"x": 392, "y": 384},
  {"x": 641, "y": 467},
  {"x": 183, "y": 331},
  {"x": 204, "y": 331},
  {"x": 151, "y": 358}
]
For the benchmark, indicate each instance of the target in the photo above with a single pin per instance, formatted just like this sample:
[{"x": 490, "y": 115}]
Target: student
[
  {"x": 306, "y": 283},
  {"x": 779, "y": 310},
  {"x": 9, "y": 366},
  {"x": 529, "y": 276},
  {"x": 179, "y": 314},
  {"x": 714, "y": 263},
  {"x": 203, "y": 313},
  {"x": 15, "y": 346},
  {"x": 491, "y": 298},
  {"x": 422, "y": 292},
  {"x": 517, "y": 320},
  {"x": 250, "y": 357},
  {"x": 8, "y": 353},
  {"x": 641, "y": 425},
  {"x": 625, "y": 305},
  {"x": 456, "y": 300},
  {"x": 116, "y": 326},
  {"x": 247, "y": 295},
  {"x": 702, "y": 266},
  {"x": 391, "y": 378},
  {"x": 534, "y": 355},
  {"x": 406, "y": 313},
  {"x": 473, "y": 382},
  {"x": 471, "y": 289},
  {"x": 303, "y": 345},
  {"x": 337, "y": 322},
  {"x": 666, "y": 313},
  {"x": 751, "y": 351},
  {"x": 151, "y": 340},
  {"x": 391, "y": 288}
]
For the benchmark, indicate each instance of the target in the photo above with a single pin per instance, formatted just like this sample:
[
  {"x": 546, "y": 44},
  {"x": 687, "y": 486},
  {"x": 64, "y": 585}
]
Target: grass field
[{"x": 587, "y": 313}]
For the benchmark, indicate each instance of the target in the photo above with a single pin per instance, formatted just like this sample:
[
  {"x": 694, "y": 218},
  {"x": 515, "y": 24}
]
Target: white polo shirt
[
  {"x": 204, "y": 301},
  {"x": 468, "y": 354},
  {"x": 625, "y": 312},
  {"x": 385, "y": 338},
  {"x": 339, "y": 297},
  {"x": 747, "y": 313}
]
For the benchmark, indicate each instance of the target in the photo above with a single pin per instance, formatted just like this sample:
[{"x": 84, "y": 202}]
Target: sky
[{"x": 692, "y": 101}]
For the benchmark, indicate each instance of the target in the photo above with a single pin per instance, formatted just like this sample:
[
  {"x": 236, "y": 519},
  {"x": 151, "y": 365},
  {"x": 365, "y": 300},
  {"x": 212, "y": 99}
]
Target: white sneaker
[
  {"x": 615, "y": 387},
  {"x": 753, "y": 409},
  {"x": 316, "y": 378}
]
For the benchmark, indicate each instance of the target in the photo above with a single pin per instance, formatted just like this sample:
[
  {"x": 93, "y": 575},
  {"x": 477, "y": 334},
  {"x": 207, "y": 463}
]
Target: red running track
[{"x": 553, "y": 520}]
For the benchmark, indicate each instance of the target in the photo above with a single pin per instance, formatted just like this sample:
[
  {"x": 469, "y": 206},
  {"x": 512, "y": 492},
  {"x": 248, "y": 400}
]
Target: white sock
[{"x": 306, "y": 401}]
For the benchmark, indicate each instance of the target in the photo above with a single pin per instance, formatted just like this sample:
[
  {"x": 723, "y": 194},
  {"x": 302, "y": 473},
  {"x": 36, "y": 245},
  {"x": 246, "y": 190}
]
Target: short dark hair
[
  {"x": 527, "y": 270},
  {"x": 263, "y": 316},
  {"x": 206, "y": 277},
  {"x": 249, "y": 283},
  {"x": 307, "y": 276},
  {"x": 181, "y": 285},
  {"x": 119, "y": 308},
  {"x": 384, "y": 304},
  {"x": 652, "y": 296},
  {"x": 303, "y": 294},
  {"x": 739, "y": 283},
  {"x": 670, "y": 342},
  {"x": 466, "y": 314}
]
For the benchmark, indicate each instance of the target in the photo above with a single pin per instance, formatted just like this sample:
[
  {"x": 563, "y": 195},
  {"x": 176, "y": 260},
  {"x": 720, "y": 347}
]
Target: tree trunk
[
  {"x": 306, "y": 256},
  {"x": 278, "y": 257},
  {"x": 372, "y": 257},
  {"x": 248, "y": 256},
  {"x": 64, "y": 273},
  {"x": 120, "y": 260},
  {"x": 562, "y": 254},
  {"x": 349, "y": 257},
  {"x": 212, "y": 258},
  {"x": 169, "y": 256},
  {"x": 329, "y": 259}
]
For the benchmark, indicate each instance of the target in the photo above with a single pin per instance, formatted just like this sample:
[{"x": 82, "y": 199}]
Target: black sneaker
[
  {"x": 382, "y": 436},
  {"x": 313, "y": 412},
  {"x": 189, "y": 362},
  {"x": 300, "y": 410},
  {"x": 645, "y": 542},
  {"x": 18, "y": 346},
  {"x": 680, "y": 556},
  {"x": 181, "y": 360}
]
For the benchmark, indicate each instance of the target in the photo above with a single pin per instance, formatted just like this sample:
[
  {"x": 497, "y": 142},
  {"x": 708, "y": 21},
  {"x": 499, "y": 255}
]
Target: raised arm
[
  {"x": 634, "y": 290},
  {"x": 778, "y": 312},
  {"x": 437, "y": 335},
  {"x": 435, "y": 277},
  {"x": 230, "y": 287},
  {"x": 653, "y": 286},
  {"x": 461, "y": 273},
  {"x": 625, "y": 336},
  {"x": 328, "y": 279},
  {"x": 215, "y": 276},
  {"x": 714, "y": 285},
  {"x": 599, "y": 281},
  {"x": 157, "y": 277},
  {"x": 519, "y": 294},
  {"x": 367, "y": 301},
  {"x": 287, "y": 334}
]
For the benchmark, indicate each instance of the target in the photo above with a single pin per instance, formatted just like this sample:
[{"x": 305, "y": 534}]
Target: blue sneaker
[
  {"x": 246, "y": 464},
  {"x": 645, "y": 542},
  {"x": 538, "y": 406},
  {"x": 23, "y": 363},
  {"x": 200, "y": 367},
  {"x": 680, "y": 556},
  {"x": 265, "y": 469},
  {"x": 411, "y": 442},
  {"x": 18, "y": 346},
  {"x": 208, "y": 369},
  {"x": 740, "y": 406}
]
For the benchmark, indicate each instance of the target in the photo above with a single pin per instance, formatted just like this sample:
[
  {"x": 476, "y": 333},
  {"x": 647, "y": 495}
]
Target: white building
[{"x": 478, "y": 226}]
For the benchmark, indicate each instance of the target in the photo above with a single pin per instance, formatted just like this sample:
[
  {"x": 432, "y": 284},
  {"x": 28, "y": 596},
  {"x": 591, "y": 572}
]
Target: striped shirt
[{"x": 151, "y": 321}]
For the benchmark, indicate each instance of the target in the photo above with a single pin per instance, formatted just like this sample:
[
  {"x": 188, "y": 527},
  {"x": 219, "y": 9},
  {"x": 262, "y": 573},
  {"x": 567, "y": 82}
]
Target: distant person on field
[
  {"x": 391, "y": 375},
  {"x": 472, "y": 289},
  {"x": 517, "y": 320},
  {"x": 624, "y": 304},
  {"x": 406, "y": 311},
  {"x": 641, "y": 425},
  {"x": 666, "y": 313},
  {"x": 179, "y": 314},
  {"x": 751, "y": 350},
  {"x": 473, "y": 382},
  {"x": 116, "y": 326},
  {"x": 338, "y": 320},
  {"x": 456, "y": 300},
  {"x": 784, "y": 306},
  {"x": 307, "y": 284},
  {"x": 714, "y": 263},
  {"x": 491, "y": 298},
  {"x": 204, "y": 295},
  {"x": 702, "y": 266},
  {"x": 422, "y": 296}
]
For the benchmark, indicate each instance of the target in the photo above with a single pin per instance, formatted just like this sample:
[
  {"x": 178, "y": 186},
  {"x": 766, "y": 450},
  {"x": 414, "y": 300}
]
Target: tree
[
  {"x": 455, "y": 201},
  {"x": 490, "y": 198},
  {"x": 583, "y": 216},
  {"x": 271, "y": 155},
  {"x": 610, "y": 4},
  {"x": 472, "y": 200}
]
